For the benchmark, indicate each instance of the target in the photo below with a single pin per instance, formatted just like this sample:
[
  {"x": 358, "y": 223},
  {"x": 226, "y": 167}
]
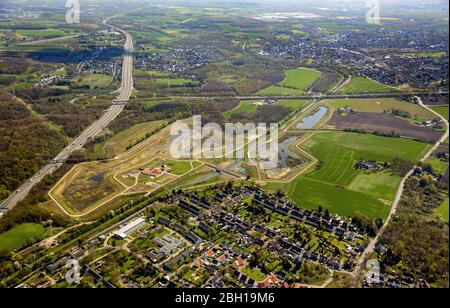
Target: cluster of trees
[
  {"x": 28, "y": 210},
  {"x": 73, "y": 118},
  {"x": 137, "y": 112},
  {"x": 371, "y": 226},
  {"x": 176, "y": 213},
  {"x": 263, "y": 114},
  {"x": 26, "y": 143},
  {"x": 20, "y": 65},
  {"x": 401, "y": 166},
  {"x": 417, "y": 243},
  {"x": 398, "y": 113}
]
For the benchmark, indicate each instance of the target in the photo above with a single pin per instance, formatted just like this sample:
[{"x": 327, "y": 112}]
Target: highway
[
  {"x": 320, "y": 96},
  {"x": 110, "y": 114}
]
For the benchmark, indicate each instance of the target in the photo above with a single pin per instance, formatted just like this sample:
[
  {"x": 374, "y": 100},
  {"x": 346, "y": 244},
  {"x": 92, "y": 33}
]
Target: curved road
[{"x": 96, "y": 127}]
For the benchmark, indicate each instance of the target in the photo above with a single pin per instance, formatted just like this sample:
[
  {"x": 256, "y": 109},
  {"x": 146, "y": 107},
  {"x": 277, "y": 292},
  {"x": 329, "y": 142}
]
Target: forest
[{"x": 417, "y": 242}]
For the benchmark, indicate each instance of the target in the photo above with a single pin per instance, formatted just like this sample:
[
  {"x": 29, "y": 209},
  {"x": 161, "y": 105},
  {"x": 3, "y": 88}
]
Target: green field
[
  {"x": 337, "y": 186},
  {"x": 118, "y": 143},
  {"x": 277, "y": 90},
  {"x": 41, "y": 33},
  {"x": 437, "y": 164},
  {"x": 20, "y": 235},
  {"x": 295, "y": 104},
  {"x": 296, "y": 82},
  {"x": 382, "y": 185},
  {"x": 379, "y": 105},
  {"x": 178, "y": 167},
  {"x": 250, "y": 106},
  {"x": 365, "y": 146},
  {"x": 443, "y": 210},
  {"x": 298, "y": 32},
  {"x": 28, "y": 48},
  {"x": 443, "y": 111},
  {"x": 364, "y": 85},
  {"x": 244, "y": 106},
  {"x": 95, "y": 81},
  {"x": 310, "y": 194}
]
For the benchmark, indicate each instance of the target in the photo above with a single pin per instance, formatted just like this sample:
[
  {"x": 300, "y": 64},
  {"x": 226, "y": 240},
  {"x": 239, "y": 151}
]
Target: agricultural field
[
  {"x": 443, "y": 111},
  {"x": 384, "y": 123},
  {"x": 335, "y": 184},
  {"x": 367, "y": 146},
  {"x": 311, "y": 194},
  {"x": 94, "y": 81},
  {"x": 296, "y": 82},
  {"x": 364, "y": 85},
  {"x": 20, "y": 235},
  {"x": 325, "y": 82},
  {"x": 379, "y": 105},
  {"x": 44, "y": 33}
]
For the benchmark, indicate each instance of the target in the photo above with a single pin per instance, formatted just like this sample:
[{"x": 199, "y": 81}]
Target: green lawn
[
  {"x": 437, "y": 164},
  {"x": 19, "y": 236},
  {"x": 443, "y": 210},
  {"x": 296, "y": 82},
  {"x": 443, "y": 111},
  {"x": 337, "y": 186},
  {"x": 254, "y": 274},
  {"x": 178, "y": 167},
  {"x": 244, "y": 106},
  {"x": 364, "y": 85}
]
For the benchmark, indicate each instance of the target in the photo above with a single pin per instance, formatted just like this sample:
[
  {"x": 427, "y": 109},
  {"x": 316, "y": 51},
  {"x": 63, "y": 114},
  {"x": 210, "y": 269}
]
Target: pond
[
  {"x": 284, "y": 151},
  {"x": 310, "y": 121}
]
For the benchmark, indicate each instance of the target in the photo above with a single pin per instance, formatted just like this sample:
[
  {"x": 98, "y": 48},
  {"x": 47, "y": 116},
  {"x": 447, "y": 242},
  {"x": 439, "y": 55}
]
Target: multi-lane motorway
[{"x": 116, "y": 107}]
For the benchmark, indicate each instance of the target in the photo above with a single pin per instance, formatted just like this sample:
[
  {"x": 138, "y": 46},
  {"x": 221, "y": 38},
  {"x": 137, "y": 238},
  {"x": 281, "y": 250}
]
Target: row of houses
[
  {"x": 180, "y": 229},
  {"x": 314, "y": 219}
]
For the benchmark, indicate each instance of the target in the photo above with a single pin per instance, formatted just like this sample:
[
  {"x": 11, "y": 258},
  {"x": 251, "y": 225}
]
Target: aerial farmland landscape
[{"x": 210, "y": 145}]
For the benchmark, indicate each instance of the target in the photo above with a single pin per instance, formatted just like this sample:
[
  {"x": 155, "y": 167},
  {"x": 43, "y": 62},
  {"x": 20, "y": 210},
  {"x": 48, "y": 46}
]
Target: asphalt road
[
  {"x": 110, "y": 114},
  {"x": 321, "y": 96}
]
